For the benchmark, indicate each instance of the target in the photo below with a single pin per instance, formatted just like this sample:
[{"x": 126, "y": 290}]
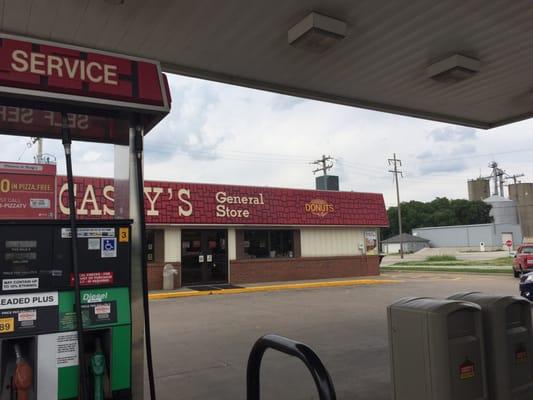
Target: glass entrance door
[{"x": 204, "y": 256}]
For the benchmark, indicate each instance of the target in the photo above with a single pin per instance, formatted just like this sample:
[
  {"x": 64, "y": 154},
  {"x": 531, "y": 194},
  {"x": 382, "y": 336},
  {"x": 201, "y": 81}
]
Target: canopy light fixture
[
  {"x": 317, "y": 33},
  {"x": 454, "y": 68}
]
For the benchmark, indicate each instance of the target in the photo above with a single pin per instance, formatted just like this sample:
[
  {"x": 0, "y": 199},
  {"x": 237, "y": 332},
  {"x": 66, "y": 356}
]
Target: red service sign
[
  {"x": 196, "y": 203},
  {"x": 27, "y": 191},
  {"x": 34, "y": 67}
]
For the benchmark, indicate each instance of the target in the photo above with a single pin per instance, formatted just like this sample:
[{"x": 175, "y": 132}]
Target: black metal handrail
[{"x": 320, "y": 375}]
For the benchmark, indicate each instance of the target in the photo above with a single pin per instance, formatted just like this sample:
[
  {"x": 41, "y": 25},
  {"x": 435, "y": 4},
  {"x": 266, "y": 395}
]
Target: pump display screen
[
  {"x": 38, "y": 256},
  {"x": 20, "y": 251}
]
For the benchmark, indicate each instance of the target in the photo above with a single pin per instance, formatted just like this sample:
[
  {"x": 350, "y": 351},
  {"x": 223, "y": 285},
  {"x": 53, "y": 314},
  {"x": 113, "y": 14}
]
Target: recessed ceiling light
[
  {"x": 317, "y": 32},
  {"x": 454, "y": 68}
]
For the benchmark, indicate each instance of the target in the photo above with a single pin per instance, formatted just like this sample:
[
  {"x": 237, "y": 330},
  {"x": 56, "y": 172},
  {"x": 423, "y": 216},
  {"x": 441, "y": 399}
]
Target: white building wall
[
  {"x": 391, "y": 248},
  {"x": 322, "y": 242},
  {"x": 172, "y": 238}
]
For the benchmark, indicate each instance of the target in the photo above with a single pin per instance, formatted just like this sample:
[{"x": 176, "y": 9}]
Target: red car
[{"x": 523, "y": 260}]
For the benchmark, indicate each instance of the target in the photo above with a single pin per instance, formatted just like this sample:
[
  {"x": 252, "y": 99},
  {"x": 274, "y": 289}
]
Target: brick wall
[
  {"x": 155, "y": 275},
  {"x": 271, "y": 270}
]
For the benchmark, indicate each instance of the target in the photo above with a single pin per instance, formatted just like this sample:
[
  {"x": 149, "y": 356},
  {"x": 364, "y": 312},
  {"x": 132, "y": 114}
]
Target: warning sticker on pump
[
  {"x": 101, "y": 313},
  {"x": 89, "y": 232},
  {"x": 521, "y": 354},
  {"x": 67, "y": 349},
  {"x": 93, "y": 244},
  {"x": 94, "y": 278},
  {"x": 20, "y": 284},
  {"x": 29, "y": 315},
  {"x": 467, "y": 370}
]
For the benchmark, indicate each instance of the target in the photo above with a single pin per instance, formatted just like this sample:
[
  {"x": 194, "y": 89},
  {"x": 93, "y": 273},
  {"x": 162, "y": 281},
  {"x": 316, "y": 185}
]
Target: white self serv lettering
[{"x": 48, "y": 64}]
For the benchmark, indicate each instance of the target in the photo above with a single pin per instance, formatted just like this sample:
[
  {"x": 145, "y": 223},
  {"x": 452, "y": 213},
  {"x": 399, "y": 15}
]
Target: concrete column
[
  {"x": 232, "y": 245},
  {"x": 172, "y": 237}
]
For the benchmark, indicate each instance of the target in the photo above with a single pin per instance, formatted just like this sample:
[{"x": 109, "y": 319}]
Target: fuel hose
[
  {"x": 144, "y": 263},
  {"x": 66, "y": 138}
]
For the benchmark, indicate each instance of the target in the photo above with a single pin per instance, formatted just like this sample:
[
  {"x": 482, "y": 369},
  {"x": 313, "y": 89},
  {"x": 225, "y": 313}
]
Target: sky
[{"x": 218, "y": 133}]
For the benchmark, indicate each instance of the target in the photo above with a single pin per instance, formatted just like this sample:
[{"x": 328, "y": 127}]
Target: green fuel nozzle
[{"x": 98, "y": 370}]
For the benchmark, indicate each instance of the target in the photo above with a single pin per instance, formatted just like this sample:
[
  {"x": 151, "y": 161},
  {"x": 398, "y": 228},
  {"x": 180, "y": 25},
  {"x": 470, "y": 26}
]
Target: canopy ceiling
[{"x": 380, "y": 65}]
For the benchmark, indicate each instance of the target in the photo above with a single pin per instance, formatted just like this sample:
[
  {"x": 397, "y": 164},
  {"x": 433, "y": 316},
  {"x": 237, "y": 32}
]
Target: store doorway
[{"x": 204, "y": 256}]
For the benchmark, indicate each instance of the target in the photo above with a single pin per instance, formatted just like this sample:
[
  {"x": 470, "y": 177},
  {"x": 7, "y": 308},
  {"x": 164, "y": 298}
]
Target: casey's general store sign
[{"x": 194, "y": 203}]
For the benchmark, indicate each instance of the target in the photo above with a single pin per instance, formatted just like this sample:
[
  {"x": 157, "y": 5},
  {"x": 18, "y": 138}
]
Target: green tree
[{"x": 438, "y": 212}]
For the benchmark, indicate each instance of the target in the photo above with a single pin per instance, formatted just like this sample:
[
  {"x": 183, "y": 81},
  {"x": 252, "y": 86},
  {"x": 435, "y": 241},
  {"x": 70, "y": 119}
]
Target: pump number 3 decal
[
  {"x": 123, "y": 235},
  {"x": 7, "y": 325}
]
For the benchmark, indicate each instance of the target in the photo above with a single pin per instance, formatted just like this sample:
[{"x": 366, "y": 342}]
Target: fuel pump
[{"x": 66, "y": 287}]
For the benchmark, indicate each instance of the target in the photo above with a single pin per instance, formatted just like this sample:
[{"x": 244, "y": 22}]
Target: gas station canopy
[{"x": 461, "y": 62}]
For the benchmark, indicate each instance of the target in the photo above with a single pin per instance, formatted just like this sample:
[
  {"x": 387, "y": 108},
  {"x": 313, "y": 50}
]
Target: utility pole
[
  {"x": 325, "y": 165},
  {"x": 394, "y": 162},
  {"x": 39, "y": 150}
]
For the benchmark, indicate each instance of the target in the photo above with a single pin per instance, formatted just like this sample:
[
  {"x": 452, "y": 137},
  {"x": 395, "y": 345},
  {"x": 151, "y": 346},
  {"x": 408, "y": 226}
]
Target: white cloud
[{"x": 225, "y": 134}]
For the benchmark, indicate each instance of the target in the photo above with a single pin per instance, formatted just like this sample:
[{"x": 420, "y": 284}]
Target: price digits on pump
[{"x": 7, "y": 325}]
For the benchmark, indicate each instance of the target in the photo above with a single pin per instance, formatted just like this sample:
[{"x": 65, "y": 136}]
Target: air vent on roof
[
  {"x": 453, "y": 69},
  {"x": 317, "y": 33}
]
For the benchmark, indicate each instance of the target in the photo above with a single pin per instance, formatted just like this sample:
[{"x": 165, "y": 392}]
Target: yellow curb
[{"x": 271, "y": 288}]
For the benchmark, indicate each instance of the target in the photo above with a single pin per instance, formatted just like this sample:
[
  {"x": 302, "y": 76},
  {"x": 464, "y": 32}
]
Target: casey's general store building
[{"x": 223, "y": 233}]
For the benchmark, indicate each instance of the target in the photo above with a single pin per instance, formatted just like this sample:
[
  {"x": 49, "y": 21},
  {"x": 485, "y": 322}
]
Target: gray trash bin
[
  {"x": 168, "y": 276},
  {"x": 508, "y": 344},
  {"x": 436, "y": 349}
]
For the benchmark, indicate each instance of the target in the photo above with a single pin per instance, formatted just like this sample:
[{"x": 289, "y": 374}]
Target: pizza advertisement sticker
[{"x": 467, "y": 370}]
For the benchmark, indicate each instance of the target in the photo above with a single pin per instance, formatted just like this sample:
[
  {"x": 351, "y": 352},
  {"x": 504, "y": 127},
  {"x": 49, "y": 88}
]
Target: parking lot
[{"x": 201, "y": 344}]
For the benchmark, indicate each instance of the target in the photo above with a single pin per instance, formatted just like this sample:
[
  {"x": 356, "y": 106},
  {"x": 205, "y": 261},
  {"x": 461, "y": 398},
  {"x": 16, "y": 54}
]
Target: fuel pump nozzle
[
  {"x": 98, "y": 370},
  {"x": 23, "y": 376}
]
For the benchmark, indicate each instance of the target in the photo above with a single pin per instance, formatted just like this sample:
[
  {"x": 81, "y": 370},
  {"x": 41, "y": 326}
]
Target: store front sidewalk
[{"x": 208, "y": 290}]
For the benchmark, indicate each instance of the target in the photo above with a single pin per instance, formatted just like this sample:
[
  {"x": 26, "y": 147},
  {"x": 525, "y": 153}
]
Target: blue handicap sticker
[{"x": 109, "y": 247}]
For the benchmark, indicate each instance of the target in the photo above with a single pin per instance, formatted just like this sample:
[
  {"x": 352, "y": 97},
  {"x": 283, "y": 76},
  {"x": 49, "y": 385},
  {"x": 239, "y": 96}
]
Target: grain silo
[
  {"x": 504, "y": 211},
  {"x": 522, "y": 194},
  {"x": 478, "y": 189}
]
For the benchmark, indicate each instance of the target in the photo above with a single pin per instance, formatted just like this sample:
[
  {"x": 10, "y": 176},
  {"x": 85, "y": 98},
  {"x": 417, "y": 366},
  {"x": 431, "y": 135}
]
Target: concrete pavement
[
  {"x": 201, "y": 344},
  {"x": 461, "y": 255}
]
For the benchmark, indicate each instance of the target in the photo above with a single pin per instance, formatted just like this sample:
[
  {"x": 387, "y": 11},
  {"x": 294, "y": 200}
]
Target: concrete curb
[{"x": 271, "y": 288}]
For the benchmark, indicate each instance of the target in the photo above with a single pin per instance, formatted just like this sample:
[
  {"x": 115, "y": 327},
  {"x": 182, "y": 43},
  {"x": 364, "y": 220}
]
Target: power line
[{"x": 395, "y": 163}]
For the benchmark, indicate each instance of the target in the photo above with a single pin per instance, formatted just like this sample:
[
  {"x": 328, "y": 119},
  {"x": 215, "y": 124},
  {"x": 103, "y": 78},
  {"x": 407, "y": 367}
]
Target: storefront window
[{"x": 269, "y": 243}]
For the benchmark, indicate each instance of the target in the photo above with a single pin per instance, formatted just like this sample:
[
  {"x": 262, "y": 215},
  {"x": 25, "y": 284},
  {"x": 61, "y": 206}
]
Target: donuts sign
[{"x": 319, "y": 207}]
